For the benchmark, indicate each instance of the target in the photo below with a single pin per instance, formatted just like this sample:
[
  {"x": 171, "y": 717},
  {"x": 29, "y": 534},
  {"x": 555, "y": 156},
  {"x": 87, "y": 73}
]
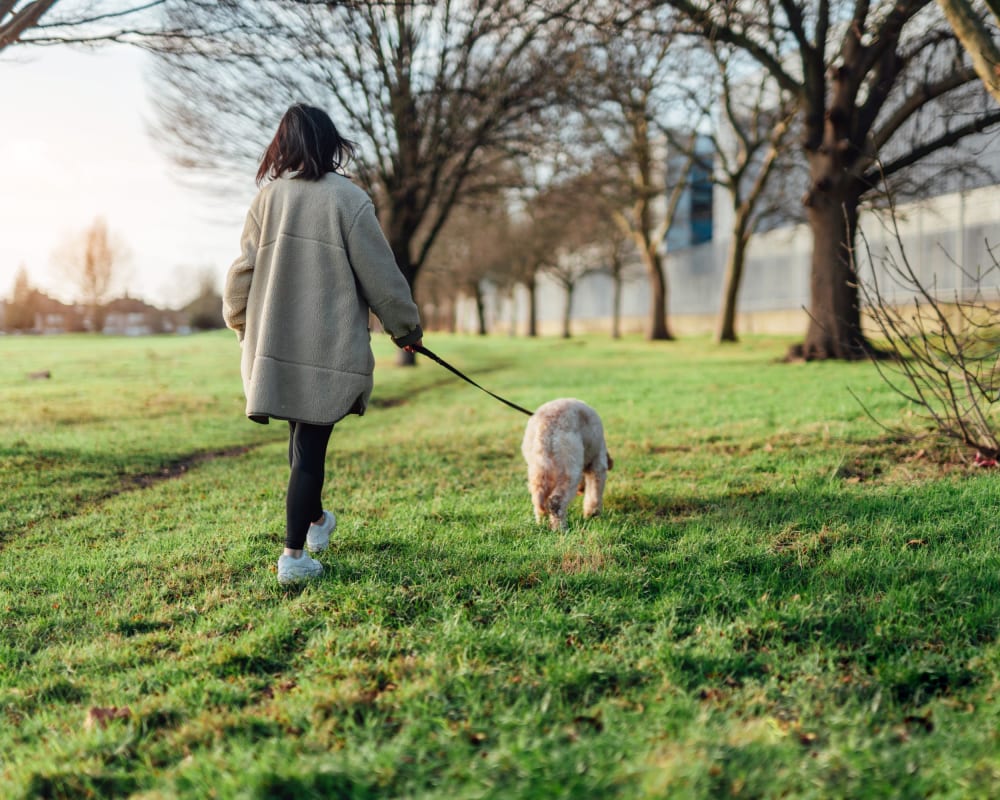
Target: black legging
[{"x": 306, "y": 460}]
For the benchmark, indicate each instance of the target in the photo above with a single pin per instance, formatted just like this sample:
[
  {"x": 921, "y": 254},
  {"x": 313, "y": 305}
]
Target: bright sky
[{"x": 76, "y": 146}]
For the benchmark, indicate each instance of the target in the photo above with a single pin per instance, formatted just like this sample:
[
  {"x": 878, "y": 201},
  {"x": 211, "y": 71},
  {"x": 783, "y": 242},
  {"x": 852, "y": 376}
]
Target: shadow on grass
[
  {"x": 322, "y": 784},
  {"x": 819, "y": 569},
  {"x": 108, "y": 784},
  {"x": 794, "y": 574}
]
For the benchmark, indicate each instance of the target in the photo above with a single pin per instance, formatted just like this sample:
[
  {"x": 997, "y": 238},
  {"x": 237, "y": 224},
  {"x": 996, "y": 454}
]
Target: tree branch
[
  {"x": 915, "y": 101},
  {"x": 975, "y": 38},
  {"x": 948, "y": 139}
]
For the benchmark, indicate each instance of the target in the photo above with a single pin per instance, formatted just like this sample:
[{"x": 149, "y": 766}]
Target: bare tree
[
  {"x": 628, "y": 100},
  {"x": 577, "y": 231},
  {"x": 472, "y": 249},
  {"x": 752, "y": 118},
  {"x": 870, "y": 79},
  {"x": 439, "y": 95},
  {"x": 35, "y": 22},
  {"x": 536, "y": 232},
  {"x": 618, "y": 254},
  {"x": 604, "y": 246},
  {"x": 92, "y": 260},
  {"x": 566, "y": 270},
  {"x": 532, "y": 247}
]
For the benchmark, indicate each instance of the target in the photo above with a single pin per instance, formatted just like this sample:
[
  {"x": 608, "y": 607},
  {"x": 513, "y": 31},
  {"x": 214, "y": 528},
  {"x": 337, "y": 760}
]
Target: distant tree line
[
  {"x": 28, "y": 309},
  {"x": 90, "y": 264}
]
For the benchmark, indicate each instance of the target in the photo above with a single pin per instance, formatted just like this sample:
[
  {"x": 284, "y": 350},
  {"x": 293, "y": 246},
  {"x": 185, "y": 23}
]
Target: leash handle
[{"x": 425, "y": 352}]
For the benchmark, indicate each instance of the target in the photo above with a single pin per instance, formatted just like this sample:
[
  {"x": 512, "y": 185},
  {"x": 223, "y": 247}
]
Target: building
[{"x": 130, "y": 316}]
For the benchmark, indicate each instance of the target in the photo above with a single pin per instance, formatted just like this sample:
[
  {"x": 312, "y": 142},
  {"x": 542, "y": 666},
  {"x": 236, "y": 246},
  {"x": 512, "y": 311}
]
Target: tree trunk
[
  {"x": 658, "y": 330},
  {"x": 834, "y": 310},
  {"x": 96, "y": 317},
  {"x": 735, "y": 261},
  {"x": 512, "y": 330},
  {"x": 567, "y": 313},
  {"x": 831, "y": 204},
  {"x": 532, "y": 307},
  {"x": 480, "y": 309},
  {"x": 401, "y": 250},
  {"x": 616, "y": 307}
]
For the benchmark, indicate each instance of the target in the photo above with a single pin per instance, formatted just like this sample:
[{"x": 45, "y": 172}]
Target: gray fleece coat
[{"x": 313, "y": 262}]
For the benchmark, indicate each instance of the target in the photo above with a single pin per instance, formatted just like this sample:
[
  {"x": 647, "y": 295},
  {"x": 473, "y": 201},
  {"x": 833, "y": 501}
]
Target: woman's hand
[{"x": 412, "y": 348}]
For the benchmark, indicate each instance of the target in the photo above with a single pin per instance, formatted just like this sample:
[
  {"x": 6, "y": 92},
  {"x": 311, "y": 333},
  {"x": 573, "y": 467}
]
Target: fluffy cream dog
[{"x": 564, "y": 444}]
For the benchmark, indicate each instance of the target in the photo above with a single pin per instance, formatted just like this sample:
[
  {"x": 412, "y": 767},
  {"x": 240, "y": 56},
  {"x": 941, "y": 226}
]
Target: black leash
[{"x": 424, "y": 351}]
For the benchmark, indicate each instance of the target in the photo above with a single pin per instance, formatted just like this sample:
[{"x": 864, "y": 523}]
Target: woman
[{"x": 314, "y": 262}]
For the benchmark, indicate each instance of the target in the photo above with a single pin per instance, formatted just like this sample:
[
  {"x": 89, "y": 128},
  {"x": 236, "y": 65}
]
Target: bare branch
[
  {"x": 947, "y": 139},
  {"x": 947, "y": 370}
]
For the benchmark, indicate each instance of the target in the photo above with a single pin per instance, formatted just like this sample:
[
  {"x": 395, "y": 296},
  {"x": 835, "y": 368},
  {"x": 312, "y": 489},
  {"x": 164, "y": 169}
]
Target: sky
[{"x": 75, "y": 135}]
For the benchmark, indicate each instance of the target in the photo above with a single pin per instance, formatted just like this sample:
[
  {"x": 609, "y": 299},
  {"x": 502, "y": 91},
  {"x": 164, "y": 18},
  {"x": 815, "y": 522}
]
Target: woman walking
[{"x": 314, "y": 261}]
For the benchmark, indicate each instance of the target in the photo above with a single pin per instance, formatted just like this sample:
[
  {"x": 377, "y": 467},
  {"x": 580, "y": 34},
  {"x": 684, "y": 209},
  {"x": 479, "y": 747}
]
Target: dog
[{"x": 565, "y": 449}]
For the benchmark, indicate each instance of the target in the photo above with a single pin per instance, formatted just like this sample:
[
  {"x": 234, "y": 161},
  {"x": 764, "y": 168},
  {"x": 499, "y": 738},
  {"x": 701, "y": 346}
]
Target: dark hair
[{"x": 307, "y": 141}]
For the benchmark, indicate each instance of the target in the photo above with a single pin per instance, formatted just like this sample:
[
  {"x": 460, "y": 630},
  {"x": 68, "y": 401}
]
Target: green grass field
[{"x": 781, "y": 600}]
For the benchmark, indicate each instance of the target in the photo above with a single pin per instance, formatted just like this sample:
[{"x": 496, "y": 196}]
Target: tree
[
  {"x": 545, "y": 227},
  {"x": 21, "y": 307},
  {"x": 438, "y": 94},
  {"x": 617, "y": 253},
  {"x": 575, "y": 228},
  {"x": 33, "y": 22},
  {"x": 204, "y": 310},
  {"x": 92, "y": 260},
  {"x": 629, "y": 112},
  {"x": 975, "y": 37},
  {"x": 473, "y": 248},
  {"x": 567, "y": 270},
  {"x": 752, "y": 119},
  {"x": 530, "y": 251},
  {"x": 872, "y": 83}
]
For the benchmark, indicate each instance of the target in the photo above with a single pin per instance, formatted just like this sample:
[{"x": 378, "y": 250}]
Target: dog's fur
[{"x": 564, "y": 445}]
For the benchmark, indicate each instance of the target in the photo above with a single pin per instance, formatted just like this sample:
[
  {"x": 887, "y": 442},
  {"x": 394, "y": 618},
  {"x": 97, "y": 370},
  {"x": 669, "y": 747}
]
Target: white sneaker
[
  {"x": 303, "y": 568},
  {"x": 318, "y": 537}
]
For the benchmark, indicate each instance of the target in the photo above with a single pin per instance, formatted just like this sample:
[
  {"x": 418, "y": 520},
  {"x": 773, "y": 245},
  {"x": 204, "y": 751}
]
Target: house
[
  {"x": 130, "y": 316},
  {"x": 53, "y": 316}
]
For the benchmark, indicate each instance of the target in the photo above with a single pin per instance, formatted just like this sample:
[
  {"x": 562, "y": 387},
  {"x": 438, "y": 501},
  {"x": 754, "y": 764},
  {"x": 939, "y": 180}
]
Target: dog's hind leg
[
  {"x": 539, "y": 508},
  {"x": 593, "y": 497},
  {"x": 562, "y": 494},
  {"x": 538, "y": 484}
]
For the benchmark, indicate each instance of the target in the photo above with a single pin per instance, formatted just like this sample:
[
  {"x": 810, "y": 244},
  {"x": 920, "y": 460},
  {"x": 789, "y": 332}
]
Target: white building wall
[{"x": 774, "y": 294}]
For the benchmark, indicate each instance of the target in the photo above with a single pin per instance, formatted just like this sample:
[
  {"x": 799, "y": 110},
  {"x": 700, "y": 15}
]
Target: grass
[{"x": 780, "y": 599}]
